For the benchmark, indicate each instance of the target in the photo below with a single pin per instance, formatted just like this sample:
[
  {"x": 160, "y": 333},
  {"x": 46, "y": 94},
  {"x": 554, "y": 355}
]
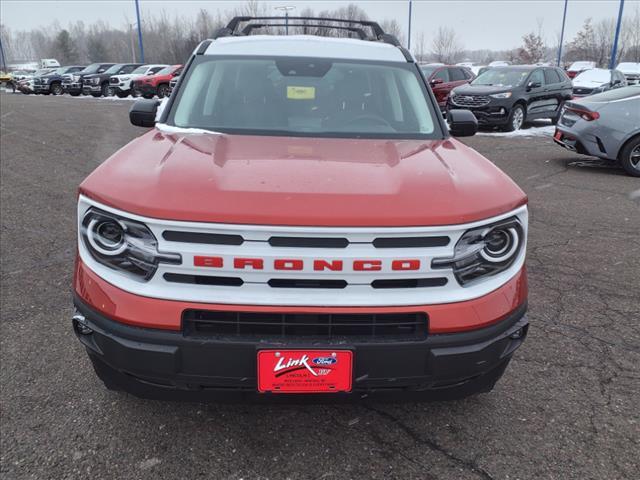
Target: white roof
[{"x": 305, "y": 46}]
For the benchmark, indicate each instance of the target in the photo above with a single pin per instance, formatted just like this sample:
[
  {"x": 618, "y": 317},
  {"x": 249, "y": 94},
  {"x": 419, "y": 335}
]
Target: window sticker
[{"x": 301, "y": 93}]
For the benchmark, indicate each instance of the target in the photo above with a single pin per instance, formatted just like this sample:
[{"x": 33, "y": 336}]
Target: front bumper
[
  {"x": 495, "y": 113},
  {"x": 74, "y": 87},
  {"x": 88, "y": 89},
  {"x": 152, "y": 363},
  {"x": 145, "y": 89},
  {"x": 40, "y": 88}
]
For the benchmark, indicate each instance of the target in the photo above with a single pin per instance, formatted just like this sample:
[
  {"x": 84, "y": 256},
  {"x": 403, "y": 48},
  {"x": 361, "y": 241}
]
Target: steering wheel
[{"x": 368, "y": 118}]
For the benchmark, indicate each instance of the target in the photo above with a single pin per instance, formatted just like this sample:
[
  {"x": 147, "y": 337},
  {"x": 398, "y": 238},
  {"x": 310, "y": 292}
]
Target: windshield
[
  {"x": 114, "y": 69},
  {"x": 595, "y": 75},
  {"x": 165, "y": 71},
  {"x": 581, "y": 65},
  {"x": 140, "y": 70},
  {"x": 429, "y": 69},
  {"x": 501, "y": 77},
  {"x": 629, "y": 67},
  {"x": 91, "y": 68},
  {"x": 616, "y": 94},
  {"x": 305, "y": 97}
]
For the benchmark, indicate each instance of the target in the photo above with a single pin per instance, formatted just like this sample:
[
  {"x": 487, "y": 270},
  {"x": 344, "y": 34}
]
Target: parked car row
[
  {"x": 98, "y": 80},
  {"x": 508, "y": 96}
]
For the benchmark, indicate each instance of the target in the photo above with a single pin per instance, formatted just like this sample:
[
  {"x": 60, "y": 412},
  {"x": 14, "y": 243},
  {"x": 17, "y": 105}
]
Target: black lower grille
[{"x": 261, "y": 326}]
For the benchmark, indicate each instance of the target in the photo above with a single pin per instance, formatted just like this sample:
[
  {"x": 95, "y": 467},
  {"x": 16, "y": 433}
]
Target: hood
[
  {"x": 302, "y": 181},
  {"x": 587, "y": 83},
  {"x": 469, "y": 89}
]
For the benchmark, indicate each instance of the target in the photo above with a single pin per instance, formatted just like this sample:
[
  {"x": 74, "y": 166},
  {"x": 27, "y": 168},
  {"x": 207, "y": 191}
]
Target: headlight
[
  {"x": 124, "y": 79},
  {"x": 124, "y": 245},
  {"x": 95, "y": 81},
  {"x": 76, "y": 78},
  {"x": 501, "y": 95},
  {"x": 484, "y": 251},
  {"x": 452, "y": 93}
]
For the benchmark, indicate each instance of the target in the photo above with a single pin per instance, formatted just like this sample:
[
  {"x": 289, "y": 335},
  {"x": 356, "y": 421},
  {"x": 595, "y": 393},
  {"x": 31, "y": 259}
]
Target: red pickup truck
[
  {"x": 157, "y": 84},
  {"x": 300, "y": 221}
]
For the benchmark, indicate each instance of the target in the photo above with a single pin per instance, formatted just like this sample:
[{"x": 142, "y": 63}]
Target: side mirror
[
  {"x": 436, "y": 81},
  {"x": 143, "y": 113},
  {"x": 101, "y": 70},
  {"x": 617, "y": 82},
  {"x": 462, "y": 123},
  {"x": 532, "y": 85}
]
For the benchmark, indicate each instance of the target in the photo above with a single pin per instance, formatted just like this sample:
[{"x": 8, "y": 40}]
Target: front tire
[
  {"x": 122, "y": 94},
  {"x": 74, "y": 94},
  {"x": 516, "y": 119},
  {"x": 56, "y": 89},
  {"x": 629, "y": 157},
  {"x": 163, "y": 90},
  {"x": 106, "y": 91}
]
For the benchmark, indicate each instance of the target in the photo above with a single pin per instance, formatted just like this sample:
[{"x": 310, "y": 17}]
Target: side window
[
  {"x": 456, "y": 74},
  {"x": 551, "y": 76},
  {"x": 537, "y": 77},
  {"x": 443, "y": 74},
  {"x": 154, "y": 70},
  {"x": 127, "y": 69},
  {"x": 106, "y": 66},
  {"x": 563, "y": 76}
]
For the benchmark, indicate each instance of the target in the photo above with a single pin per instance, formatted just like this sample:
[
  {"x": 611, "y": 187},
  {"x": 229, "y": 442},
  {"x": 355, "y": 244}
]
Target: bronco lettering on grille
[{"x": 319, "y": 265}]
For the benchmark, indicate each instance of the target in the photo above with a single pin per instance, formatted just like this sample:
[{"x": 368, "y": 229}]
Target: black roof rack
[
  {"x": 355, "y": 26},
  {"x": 254, "y": 26}
]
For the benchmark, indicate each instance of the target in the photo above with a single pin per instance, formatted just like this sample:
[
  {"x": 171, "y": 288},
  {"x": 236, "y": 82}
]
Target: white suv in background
[{"x": 121, "y": 84}]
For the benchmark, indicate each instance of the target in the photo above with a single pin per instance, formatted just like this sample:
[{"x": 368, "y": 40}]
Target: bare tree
[
  {"x": 532, "y": 50},
  {"x": 393, "y": 27},
  {"x": 420, "y": 49},
  {"x": 446, "y": 48}
]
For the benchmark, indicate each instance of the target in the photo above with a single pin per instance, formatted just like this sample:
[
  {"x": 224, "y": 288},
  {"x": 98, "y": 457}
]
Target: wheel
[
  {"x": 148, "y": 96},
  {"x": 556, "y": 118},
  {"x": 56, "y": 89},
  {"x": 122, "y": 94},
  {"x": 74, "y": 94},
  {"x": 516, "y": 119},
  {"x": 629, "y": 157},
  {"x": 106, "y": 90},
  {"x": 96, "y": 95},
  {"x": 163, "y": 90}
]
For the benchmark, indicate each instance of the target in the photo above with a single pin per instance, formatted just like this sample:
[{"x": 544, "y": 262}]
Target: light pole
[
  {"x": 564, "y": 20},
  {"x": 409, "y": 29},
  {"x": 139, "y": 32},
  {"x": 285, "y": 9},
  {"x": 614, "y": 49},
  {"x": 133, "y": 48}
]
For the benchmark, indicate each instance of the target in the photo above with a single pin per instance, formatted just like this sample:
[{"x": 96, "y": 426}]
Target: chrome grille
[{"x": 471, "y": 100}]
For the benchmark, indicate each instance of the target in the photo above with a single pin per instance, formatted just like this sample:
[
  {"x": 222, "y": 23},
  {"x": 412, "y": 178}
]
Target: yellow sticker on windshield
[{"x": 301, "y": 93}]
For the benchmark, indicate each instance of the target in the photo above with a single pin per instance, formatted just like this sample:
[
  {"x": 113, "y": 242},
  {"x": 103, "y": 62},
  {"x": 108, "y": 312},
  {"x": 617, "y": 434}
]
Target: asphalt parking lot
[{"x": 567, "y": 408}]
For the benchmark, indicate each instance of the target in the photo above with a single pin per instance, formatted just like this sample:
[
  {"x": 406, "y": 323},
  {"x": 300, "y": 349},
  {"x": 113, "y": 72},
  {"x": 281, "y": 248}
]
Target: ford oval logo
[{"x": 324, "y": 361}]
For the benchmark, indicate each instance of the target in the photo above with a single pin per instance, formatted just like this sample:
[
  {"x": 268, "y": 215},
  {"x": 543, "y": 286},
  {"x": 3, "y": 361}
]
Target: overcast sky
[{"x": 495, "y": 24}]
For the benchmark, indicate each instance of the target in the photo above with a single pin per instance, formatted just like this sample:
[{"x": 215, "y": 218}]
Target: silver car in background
[{"x": 606, "y": 125}]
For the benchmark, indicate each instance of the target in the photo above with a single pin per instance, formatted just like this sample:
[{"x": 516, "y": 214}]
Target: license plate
[{"x": 304, "y": 371}]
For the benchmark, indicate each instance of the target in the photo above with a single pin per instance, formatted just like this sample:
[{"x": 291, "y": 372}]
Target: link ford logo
[
  {"x": 324, "y": 361},
  {"x": 284, "y": 366},
  {"x": 318, "y": 265}
]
